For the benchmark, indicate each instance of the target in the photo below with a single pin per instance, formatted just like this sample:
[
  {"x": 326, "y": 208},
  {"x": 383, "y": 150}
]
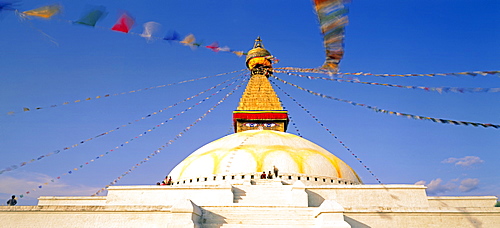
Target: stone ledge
[
  {"x": 425, "y": 210},
  {"x": 462, "y": 197},
  {"x": 72, "y": 197},
  {"x": 132, "y": 208},
  {"x": 462, "y": 201},
  {"x": 365, "y": 186},
  {"x": 167, "y": 187}
]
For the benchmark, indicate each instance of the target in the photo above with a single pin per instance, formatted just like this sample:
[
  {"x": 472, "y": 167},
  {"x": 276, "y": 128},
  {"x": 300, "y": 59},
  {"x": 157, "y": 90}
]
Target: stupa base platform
[{"x": 257, "y": 205}]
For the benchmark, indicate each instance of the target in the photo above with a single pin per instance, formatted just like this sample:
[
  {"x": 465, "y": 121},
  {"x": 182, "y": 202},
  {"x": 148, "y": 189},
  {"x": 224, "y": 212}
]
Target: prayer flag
[
  {"x": 172, "y": 35},
  {"x": 214, "y": 46},
  {"x": 149, "y": 29},
  {"x": 92, "y": 16},
  {"x": 44, "y": 11},
  {"x": 189, "y": 41},
  {"x": 225, "y": 48},
  {"x": 238, "y": 53},
  {"x": 332, "y": 19},
  {"x": 124, "y": 23}
]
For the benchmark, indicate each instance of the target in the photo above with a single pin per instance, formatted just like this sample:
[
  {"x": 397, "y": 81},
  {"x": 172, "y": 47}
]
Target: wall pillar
[
  {"x": 330, "y": 214},
  {"x": 299, "y": 195},
  {"x": 185, "y": 214}
]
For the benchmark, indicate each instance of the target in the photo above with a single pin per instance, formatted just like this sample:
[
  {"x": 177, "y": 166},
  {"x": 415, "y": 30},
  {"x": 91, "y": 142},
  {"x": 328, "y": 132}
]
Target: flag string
[
  {"x": 436, "y": 89},
  {"x": 25, "y": 109},
  {"x": 293, "y": 124},
  {"x": 124, "y": 25},
  {"x": 130, "y": 140},
  {"x": 13, "y": 167},
  {"x": 181, "y": 133},
  {"x": 329, "y": 131},
  {"x": 290, "y": 118},
  {"x": 409, "y": 116},
  {"x": 323, "y": 71}
]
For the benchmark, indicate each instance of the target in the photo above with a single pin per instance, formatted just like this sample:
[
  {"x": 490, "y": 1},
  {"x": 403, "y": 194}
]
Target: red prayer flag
[
  {"x": 124, "y": 23},
  {"x": 214, "y": 46}
]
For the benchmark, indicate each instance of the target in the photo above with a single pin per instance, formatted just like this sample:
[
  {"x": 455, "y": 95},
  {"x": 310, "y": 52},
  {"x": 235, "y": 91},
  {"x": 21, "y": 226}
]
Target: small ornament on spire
[
  {"x": 258, "y": 43},
  {"x": 259, "y": 60}
]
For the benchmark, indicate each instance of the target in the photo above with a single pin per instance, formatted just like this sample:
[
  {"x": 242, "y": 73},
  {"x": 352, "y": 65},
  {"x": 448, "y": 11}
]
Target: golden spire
[
  {"x": 259, "y": 107},
  {"x": 259, "y": 95}
]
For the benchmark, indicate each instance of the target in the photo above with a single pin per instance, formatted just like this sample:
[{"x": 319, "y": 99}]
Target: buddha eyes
[{"x": 263, "y": 124}]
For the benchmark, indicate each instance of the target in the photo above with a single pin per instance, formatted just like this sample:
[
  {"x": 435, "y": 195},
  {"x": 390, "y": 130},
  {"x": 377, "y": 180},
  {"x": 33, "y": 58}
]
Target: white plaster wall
[
  {"x": 420, "y": 217},
  {"x": 462, "y": 201},
  {"x": 369, "y": 195},
  {"x": 74, "y": 200},
  {"x": 61, "y": 218},
  {"x": 364, "y": 206},
  {"x": 83, "y": 217},
  {"x": 168, "y": 195}
]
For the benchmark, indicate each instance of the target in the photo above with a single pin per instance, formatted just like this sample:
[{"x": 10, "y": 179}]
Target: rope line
[
  {"x": 130, "y": 140},
  {"x": 323, "y": 71},
  {"x": 13, "y": 167},
  {"x": 409, "y": 116},
  {"x": 293, "y": 124},
  {"x": 26, "y": 109},
  {"x": 329, "y": 131},
  {"x": 181, "y": 133},
  {"x": 436, "y": 89}
]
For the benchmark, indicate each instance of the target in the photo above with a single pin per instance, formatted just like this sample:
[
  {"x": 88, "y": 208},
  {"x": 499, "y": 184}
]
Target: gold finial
[
  {"x": 258, "y": 56},
  {"x": 258, "y": 43}
]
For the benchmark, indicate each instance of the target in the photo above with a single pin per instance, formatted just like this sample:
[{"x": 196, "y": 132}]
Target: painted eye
[
  {"x": 251, "y": 125},
  {"x": 269, "y": 124}
]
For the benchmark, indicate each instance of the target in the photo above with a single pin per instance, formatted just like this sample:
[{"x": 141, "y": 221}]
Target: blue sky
[{"x": 49, "y": 62}]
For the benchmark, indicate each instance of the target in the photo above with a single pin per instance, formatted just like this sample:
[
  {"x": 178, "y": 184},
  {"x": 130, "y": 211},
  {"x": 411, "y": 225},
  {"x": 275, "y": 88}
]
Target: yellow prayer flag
[
  {"x": 188, "y": 40},
  {"x": 44, "y": 11},
  {"x": 238, "y": 53}
]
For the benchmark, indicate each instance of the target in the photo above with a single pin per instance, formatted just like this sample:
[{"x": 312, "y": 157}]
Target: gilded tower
[{"x": 259, "y": 107}]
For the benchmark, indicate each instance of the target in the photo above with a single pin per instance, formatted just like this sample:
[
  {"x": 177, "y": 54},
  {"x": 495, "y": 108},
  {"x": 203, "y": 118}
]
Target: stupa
[
  {"x": 220, "y": 185},
  {"x": 260, "y": 143}
]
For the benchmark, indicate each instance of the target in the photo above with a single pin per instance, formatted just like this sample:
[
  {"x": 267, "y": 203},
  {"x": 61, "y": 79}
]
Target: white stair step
[{"x": 252, "y": 217}]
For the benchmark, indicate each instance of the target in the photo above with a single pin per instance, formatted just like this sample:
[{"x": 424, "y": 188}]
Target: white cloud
[
  {"x": 422, "y": 182},
  {"x": 437, "y": 186},
  {"x": 468, "y": 184},
  {"x": 18, "y": 183},
  {"x": 464, "y": 162}
]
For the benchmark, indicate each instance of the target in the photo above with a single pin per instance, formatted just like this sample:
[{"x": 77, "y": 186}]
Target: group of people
[
  {"x": 166, "y": 181},
  {"x": 270, "y": 175}
]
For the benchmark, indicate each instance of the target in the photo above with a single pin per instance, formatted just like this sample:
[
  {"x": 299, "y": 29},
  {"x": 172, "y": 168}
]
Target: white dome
[{"x": 256, "y": 151}]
